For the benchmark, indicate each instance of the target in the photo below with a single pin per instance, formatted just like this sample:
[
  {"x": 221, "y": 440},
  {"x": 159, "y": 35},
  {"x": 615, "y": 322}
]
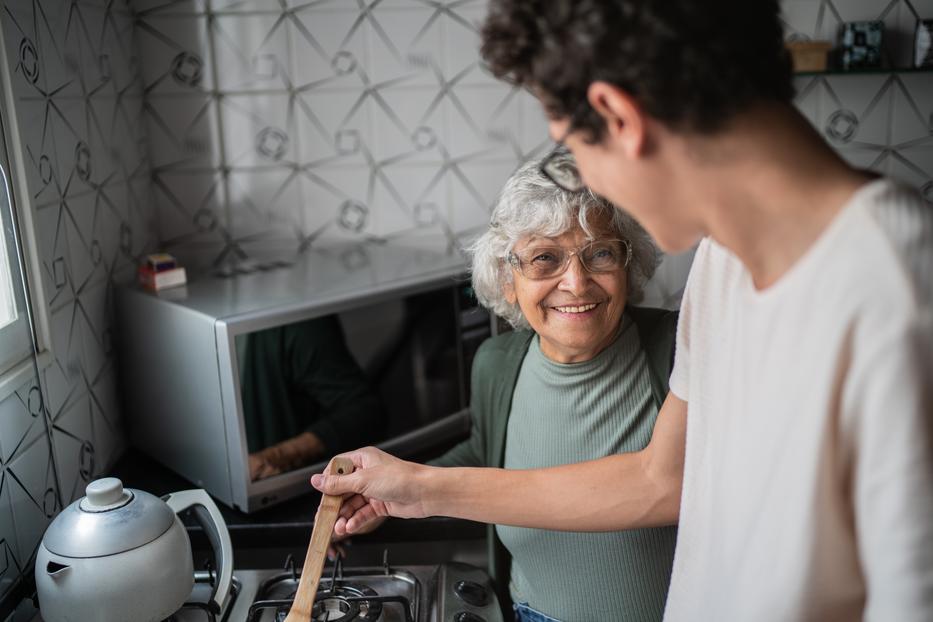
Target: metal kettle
[{"x": 120, "y": 554}]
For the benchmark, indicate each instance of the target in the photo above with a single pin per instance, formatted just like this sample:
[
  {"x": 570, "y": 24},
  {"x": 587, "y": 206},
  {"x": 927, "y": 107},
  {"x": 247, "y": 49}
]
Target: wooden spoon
[{"x": 317, "y": 548}]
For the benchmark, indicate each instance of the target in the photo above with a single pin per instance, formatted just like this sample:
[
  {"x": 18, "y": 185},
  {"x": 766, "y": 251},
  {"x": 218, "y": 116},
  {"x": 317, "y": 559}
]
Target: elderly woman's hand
[{"x": 381, "y": 486}]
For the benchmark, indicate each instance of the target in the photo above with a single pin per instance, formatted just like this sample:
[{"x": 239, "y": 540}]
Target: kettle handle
[{"x": 208, "y": 515}]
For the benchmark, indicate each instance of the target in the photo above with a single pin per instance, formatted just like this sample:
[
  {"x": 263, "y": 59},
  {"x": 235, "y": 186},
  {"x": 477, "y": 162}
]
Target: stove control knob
[
  {"x": 472, "y": 593},
  {"x": 466, "y": 616}
]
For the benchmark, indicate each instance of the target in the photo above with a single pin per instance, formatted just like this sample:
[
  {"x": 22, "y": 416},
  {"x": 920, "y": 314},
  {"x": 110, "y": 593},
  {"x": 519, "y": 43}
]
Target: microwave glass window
[{"x": 321, "y": 386}]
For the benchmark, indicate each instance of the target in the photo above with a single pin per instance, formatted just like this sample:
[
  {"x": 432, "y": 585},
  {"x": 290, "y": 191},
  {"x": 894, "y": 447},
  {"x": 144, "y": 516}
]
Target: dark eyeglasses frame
[{"x": 546, "y": 162}]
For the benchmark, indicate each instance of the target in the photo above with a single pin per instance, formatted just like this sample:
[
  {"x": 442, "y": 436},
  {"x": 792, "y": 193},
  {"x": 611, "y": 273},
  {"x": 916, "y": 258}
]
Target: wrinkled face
[{"x": 575, "y": 314}]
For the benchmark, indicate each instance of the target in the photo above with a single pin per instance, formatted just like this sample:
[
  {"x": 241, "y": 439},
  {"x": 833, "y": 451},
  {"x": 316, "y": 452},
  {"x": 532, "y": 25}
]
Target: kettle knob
[{"x": 104, "y": 493}]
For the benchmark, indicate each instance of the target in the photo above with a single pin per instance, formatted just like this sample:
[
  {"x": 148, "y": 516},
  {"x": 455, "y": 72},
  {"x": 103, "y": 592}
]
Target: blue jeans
[{"x": 524, "y": 613}]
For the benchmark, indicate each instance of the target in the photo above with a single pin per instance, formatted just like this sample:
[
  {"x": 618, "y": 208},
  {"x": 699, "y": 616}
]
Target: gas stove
[{"x": 451, "y": 592}]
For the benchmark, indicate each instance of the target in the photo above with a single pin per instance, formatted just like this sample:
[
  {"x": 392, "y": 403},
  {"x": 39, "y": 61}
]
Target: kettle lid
[{"x": 109, "y": 520}]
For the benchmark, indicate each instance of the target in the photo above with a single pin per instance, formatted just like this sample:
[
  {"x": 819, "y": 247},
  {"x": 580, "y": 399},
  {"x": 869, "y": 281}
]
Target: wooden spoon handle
[{"x": 317, "y": 548}]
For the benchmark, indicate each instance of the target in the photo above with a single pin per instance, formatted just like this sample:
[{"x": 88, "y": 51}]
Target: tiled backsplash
[
  {"x": 226, "y": 128},
  {"x": 78, "y": 108},
  {"x": 280, "y": 126}
]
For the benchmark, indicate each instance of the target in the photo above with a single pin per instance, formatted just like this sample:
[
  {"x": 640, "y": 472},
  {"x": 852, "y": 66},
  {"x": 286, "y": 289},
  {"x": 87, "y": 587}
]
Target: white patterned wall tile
[
  {"x": 21, "y": 421},
  {"x": 117, "y": 56},
  {"x": 474, "y": 186},
  {"x": 321, "y": 199},
  {"x": 78, "y": 214},
  {"x": 322, "y": 55},
  {"x": 33, "y": 496},
  {"x": 828, "y": 19},
  {"x": 73, "y": 434},
  {"x": 87, "y": 52},
  {"x": 90, "y": 337},
  {"x": 176, "y": 53},
  {"x": 860, "y": 10},
  {"x": 862, "y": 157},
  {"x": 260, "y": 129},
  {"x": 54, "y": 253},
  {"x": 403, "y": 46},
  {"x": 182, "y": 131},
  {"x": 77, "y": 165},
  {"x": 253, "y": 51},
  {"x": 11, "y": 563},
  {"x": 331, "y": 126},
  {"x": 407, "y": 125},
  {"x": 28, "y": 74},
  {"x": 922, "y": 9},
  {"x": 101, "y": 113},
  {"x": 912, "y": 114},
  {"x": 800, "y": 18},
  {"x": 410, "y": 198},
  {"x": 913, "y": 165},
  {"x": 809, "y": 100},
  {"x": 58, "y": 388},
  {"x": 190, "y": 207},
  {"x": 59, "y": 69},
  {"x": 534, "y": 140},
  {"x": 148, "y": 8},
  {"x": 461, "y": 45},
  {"x": 478, "y": 118},
  {"x": 340, "y": 196},
  {"x": 265, "y": 200},
  {"x": 111, "y": 208},
  {"x": 857, "y": 109},
  {"x": 387, "y": 4},
  {"x": 234, "y": 7}
]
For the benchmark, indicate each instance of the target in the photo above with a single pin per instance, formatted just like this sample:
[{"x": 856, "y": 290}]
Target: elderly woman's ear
[{"x": 508, "y": 291}]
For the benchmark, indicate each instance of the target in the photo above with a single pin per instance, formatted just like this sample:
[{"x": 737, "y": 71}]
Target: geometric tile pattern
[
  {"x": 226, "y": 129},
  {"x": 78, "y": 106},
  {"x": 278, "y": 125},
  {"x": 882, "y": 121},
  {"x": 28, "y": 492}
]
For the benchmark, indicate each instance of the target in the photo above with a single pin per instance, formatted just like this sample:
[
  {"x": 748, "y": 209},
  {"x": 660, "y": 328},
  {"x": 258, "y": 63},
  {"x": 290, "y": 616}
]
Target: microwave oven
[{"x": 405, "y": 316}]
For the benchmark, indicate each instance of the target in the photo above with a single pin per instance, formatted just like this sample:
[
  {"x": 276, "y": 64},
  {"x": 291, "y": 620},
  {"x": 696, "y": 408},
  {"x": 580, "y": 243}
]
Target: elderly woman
[{"x": 581, "y": 377}]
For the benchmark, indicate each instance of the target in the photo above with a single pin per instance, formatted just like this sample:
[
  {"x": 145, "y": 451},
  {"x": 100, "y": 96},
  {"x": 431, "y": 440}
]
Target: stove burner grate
[
  {"x": 347, "y": 608},
  {"x": 341, "y": 603}
]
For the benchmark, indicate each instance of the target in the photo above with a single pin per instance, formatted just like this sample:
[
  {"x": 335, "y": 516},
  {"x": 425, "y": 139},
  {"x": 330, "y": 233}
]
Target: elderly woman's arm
[{"x": 639, "y": 489}]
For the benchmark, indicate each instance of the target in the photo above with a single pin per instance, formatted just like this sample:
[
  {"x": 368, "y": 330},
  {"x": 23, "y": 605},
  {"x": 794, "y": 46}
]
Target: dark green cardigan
[{"x": 494, "y": 374}]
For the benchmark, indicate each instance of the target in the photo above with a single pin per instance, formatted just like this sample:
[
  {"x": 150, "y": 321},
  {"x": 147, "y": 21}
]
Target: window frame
[
  {"x": 16, "y": 341},
  {"x": 36, "y": 310}
]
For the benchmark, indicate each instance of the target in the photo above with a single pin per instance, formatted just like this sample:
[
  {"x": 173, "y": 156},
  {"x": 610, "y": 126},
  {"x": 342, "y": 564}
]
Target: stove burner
[{"x": 342, "y": 603}]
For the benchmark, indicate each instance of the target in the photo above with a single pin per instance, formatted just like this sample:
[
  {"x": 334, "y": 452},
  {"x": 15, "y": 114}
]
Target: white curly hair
[{"x": 531, "y": 204}]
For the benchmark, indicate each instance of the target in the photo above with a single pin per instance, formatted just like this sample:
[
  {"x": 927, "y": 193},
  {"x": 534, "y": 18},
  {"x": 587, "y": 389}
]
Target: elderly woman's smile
[{"x": 576, "y": 313}]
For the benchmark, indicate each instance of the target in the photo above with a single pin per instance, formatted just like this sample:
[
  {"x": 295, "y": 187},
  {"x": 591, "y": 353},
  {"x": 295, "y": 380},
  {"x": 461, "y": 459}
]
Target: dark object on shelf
[
  {"x": 809, "y": 55},
  {"x": 923, "y": 43},
  {"x": 860, "y": 44}
]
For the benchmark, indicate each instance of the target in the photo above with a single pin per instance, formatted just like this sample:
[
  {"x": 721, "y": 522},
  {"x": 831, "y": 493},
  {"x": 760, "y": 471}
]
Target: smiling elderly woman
[{"x": 581, "y": 377}]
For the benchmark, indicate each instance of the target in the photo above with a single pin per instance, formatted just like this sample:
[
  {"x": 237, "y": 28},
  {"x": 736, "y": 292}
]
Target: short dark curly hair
[{"x": 691, "y": 64}]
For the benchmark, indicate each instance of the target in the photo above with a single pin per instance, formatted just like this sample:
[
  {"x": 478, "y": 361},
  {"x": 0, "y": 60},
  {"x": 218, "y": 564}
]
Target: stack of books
[{"x": 160, "y": 271}]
